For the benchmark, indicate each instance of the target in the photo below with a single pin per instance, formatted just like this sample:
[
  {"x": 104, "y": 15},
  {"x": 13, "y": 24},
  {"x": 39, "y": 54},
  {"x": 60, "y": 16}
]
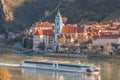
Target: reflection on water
[{"x": 55, "y": 75}]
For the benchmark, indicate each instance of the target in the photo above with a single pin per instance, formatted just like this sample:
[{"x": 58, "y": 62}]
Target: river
[{"x": 110, "y": 69}]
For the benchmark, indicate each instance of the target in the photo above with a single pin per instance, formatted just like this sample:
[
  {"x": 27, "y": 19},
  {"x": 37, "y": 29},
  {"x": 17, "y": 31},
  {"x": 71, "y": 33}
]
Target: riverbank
[
  {"x": 8, "y": 48},
  {"x": 80, "y": 55},
  {"x": 5, "y": 48}
]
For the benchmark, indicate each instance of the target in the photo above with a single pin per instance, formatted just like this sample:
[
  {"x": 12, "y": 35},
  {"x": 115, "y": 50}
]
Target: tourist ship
[{"x": 58, "y": 66}]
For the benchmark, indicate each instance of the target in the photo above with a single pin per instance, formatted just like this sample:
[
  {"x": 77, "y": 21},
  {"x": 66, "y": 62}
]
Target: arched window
[{"x": 57, "y": 23}]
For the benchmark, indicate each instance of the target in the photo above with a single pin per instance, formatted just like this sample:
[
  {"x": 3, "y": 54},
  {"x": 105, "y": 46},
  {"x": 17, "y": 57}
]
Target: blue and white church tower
[{"x": 57, "y": 28}]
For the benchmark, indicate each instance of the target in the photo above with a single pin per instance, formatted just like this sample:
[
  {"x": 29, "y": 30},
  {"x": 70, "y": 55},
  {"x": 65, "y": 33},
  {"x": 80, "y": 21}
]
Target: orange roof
[
  {"x": 89, "y": 34},
  {"x": 43, "y": 24},
  {"x": 73, "y": 29},
  {"x": 105, "y": 35},
  {"x": 45, "y": 32},
  {"x": 39, "y": 32},
  {"x": 112, "y": 28}
]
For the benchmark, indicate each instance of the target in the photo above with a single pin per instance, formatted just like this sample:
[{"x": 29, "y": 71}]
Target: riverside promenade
[{"x": 67, "y": 55}]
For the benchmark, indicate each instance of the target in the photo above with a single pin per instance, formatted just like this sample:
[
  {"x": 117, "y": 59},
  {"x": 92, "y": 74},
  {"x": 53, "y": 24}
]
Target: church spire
[
  {"x": 58, "y": 23},
  {"x": 58, "y": 13},
  {"x": 57, "y": 28}
]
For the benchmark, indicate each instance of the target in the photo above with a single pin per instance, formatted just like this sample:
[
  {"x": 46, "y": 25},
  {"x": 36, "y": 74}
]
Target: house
[
  {"x": 42, "y": 36},
  {"x": 78, "y": 33},
  {"x": 66, "y": 39},
  {"x": 113, "y": 29},
  {"x": 103, "y": 39},
  {"x": 72, "y": 35},
  {"x": 116, "y": 22},
  {"x": 41, "y": 25}
]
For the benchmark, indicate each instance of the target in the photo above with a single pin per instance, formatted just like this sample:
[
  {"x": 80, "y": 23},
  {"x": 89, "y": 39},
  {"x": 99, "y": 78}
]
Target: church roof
[
  {"x": 43, "y": 24},
  {"x": 73, "y": 29},
  {"x": 45, "y": 32}
]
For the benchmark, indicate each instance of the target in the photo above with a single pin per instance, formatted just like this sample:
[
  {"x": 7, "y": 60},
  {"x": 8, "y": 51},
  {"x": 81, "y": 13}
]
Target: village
[{"x": 89, "y": 38}]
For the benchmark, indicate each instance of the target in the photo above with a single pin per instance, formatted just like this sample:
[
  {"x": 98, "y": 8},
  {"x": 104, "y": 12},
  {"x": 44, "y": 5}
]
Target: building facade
[
  {"x": 105, "y": 39},
  {"x": 42, "y": 38},
  {"x": 42, "y": 26}
]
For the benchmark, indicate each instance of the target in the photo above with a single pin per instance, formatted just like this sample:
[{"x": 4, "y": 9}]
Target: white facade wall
[
  {"x": 37, "y": 39},
  {"x": 116, "y": 23},
  {"x": 114, "y": 31},
  {"x": 104, "y": 41},
  {"x": 46, "y": 40},
  {"x": 118, "y": 40}
]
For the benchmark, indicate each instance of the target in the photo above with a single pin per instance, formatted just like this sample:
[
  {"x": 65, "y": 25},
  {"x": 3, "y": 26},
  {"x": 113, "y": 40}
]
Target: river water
[{"x": 110, "y": 69}]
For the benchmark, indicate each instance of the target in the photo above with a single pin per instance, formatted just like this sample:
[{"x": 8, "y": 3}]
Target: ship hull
[{"x": 89, "y": 69}]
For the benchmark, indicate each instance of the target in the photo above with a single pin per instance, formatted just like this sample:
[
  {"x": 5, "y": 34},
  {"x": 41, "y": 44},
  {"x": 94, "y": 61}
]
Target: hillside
[
  {"x": 21, "y": 14},
  {"x": 92, "y": 10},
  {"x": 1, "y": 17}
]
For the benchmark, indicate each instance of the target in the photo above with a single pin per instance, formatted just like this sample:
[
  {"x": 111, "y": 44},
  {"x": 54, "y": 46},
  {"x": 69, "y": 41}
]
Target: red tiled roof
[
  {"x": 45, "y": 32},
  {"x": 106, "y": 36},
  {"x": 89, "y": 34},
  {"x": 106, "y": 33},
  {"x": 43, "y": 24},
  {"x": 39, "y": 32},
  {"x": 48, "y": 32},
  {"x": 73, "y": 29},
  {"x": 112, "y": 28}
]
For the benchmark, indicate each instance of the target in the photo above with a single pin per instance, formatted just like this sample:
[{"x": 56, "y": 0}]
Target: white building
[
  {"x": 113, "y": 29},
  {"x": 104, "y": 39},
  {"x": 42, "y": 37},
  {"x": 41, "y": 25}
]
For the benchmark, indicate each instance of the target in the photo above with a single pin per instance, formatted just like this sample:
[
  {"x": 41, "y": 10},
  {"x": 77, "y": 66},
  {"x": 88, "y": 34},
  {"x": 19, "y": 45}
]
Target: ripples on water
[{"x": 110, "y": 69}]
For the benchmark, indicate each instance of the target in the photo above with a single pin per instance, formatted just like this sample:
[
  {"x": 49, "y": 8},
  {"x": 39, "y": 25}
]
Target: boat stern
[{"x": 93, "y": 70}]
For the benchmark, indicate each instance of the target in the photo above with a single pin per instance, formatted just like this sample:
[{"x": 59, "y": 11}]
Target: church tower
[
  {"x": 57, "y": 28},
  {"x": 58, "y": 23}
]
